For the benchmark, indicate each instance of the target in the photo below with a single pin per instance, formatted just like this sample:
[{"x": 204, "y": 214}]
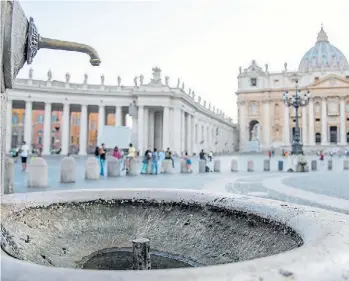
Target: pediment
[{"x": 331, "y": 81}]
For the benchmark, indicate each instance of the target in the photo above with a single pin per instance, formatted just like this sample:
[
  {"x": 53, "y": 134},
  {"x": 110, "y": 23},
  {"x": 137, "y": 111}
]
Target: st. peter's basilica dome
[{"x": 323, "y": 56}]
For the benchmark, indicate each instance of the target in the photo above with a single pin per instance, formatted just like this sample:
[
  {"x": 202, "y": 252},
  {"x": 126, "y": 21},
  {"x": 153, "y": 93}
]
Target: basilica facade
[{"x": 266, "y": 123}]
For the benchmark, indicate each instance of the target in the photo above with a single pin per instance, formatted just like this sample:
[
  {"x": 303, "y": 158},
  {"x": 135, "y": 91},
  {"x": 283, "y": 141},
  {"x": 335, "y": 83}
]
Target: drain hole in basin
[{"x": 122, "y": 259}]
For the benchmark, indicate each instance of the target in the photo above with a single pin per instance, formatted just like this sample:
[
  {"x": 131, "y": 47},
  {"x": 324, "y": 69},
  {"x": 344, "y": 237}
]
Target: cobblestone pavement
[{"x": 323, "y": 188}]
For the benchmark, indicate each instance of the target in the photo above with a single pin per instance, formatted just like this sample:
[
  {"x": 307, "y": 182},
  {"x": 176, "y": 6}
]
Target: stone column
[
  {"x": 101, "y": 123},
  {"x": 343, "y": 137},
  {"x": 65, "y": 141},
  {"x": 189, "y": 135},
  {"x": 28, "y": 124},
  {"x": 304, "y": 126},
  {"x": 118, "y": 116},
  {"x": 151, "y": 134},
  {"x": 266, "y": 125},
  {"x": 8, "y": 125},
  {"x": 165, "y": 126},
  {"x": 193, "y": 136},
  {"x": 83, "y": 130},
  {"x": 140, "y": 129},
  {"x": 242, "y": 127},
  {"x": 311, "y": 139},
  {"x": 182, "y": 131},
  {"x": 176, "y": 131},
  {"x": 324, "y": 128},
  {"x": 146, "y": 128},
  {"x": 47, "y": 129},
  {"x": 286, "y": 126}
]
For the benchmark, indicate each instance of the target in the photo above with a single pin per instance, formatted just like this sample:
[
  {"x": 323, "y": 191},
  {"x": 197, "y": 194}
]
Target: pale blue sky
[{"x": 201, "y": 41}]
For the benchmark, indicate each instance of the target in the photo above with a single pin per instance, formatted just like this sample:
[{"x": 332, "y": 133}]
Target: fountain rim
[{"x": 323, "y": 256}]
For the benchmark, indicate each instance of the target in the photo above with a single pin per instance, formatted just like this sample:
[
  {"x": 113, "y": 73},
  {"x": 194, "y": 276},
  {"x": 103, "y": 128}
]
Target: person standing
[
  {"x": 161, "y": 159},
  {"x": 24, "y": 155},
  {"x": 168, "y": 156},
  {"x": 187, "y": 162},
  {"x": 131, "y": 154},
  {"x": 102, "y": 157},
  {"x": 145, "y": 162},
  {"x": 154, "y": 166}
]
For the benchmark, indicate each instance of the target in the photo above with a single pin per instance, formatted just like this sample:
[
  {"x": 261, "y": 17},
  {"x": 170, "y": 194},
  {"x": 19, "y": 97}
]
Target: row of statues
[
  {"x": 266, "y": 67},
  {"x": 191, "y": 92}
]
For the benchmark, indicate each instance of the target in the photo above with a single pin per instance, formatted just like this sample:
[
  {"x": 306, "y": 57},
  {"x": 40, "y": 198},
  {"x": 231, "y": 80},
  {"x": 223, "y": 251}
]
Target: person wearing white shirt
[{"x": 24, "y": 155}]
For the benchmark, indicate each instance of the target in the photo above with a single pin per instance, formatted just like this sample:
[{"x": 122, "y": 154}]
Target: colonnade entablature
[{"x": 154, "y": 91}]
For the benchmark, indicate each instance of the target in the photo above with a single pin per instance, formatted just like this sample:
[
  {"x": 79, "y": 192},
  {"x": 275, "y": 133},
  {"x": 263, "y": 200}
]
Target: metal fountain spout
[{"x": 22, "y": 42}]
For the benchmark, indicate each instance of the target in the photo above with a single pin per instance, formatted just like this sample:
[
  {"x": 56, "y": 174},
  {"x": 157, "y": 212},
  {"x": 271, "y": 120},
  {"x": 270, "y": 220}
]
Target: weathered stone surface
[
  {"x": 37, "y": 172},
  {"x": 330, "y": 165},
  {"x": 184, "y": 168},
  {"x": 141, "y": 254},
  {"x": 234, "y": 165},
  {"x": 314, "y": 165},
  {"x": 92, "y": 168},
  {"x": 250, "y": 166},
  {"x": 266, "y": 165},
  {"x": 217, "y": 165},
  {"x": 202, "y": 166},
  {"x": 167, "y": 164},
  {"x": 187, "y": 216},
  {"x": 134, "y": 168},
  {"x": 68, "y": 170},
  {"x": 9, "y": 175},
  {"x": 114, "y": 167},
  {"x": 346, "y": 164}
]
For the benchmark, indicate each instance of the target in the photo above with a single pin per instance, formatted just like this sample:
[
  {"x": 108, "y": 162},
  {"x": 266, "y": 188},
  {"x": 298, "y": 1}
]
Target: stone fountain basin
[{"x": 52, "y": 234}]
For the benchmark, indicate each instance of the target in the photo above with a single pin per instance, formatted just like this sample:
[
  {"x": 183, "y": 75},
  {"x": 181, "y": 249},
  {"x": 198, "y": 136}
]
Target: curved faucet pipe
[{"x": 47, "y": 43}]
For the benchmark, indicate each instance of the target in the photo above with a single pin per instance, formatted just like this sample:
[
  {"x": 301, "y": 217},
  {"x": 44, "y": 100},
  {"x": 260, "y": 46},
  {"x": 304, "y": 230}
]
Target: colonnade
[{"x": 155, "y": 127}]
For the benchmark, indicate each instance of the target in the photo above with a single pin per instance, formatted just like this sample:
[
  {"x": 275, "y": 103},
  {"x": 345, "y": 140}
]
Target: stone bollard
[
  {"x": 184, "y": 168},
  {"x": 37, "y": 172},
  {"x": 167, "y": 164},
  {"x": 9, "y": 175},
  {"x": 330, "y": 165},
  {"x": 202, "y": 166},
  {"x": 149, "y": 167},
  {"x": 68, "y": 170},
  {"x": 346, "y": 164},
  {"x": 217, "y": 166},
  {"x": 266, "y": 165},
  {"x": 113, "y": 167},
  {"x": 141, "y": 254},
  {"x": 280, "y": 166},
  {"x": 234, "y": 165},
  {"x": 134, "y": 167},
  {"x": 314, "y": 165},
  {"x": 250, "y": 166},
  {"x": 92, "y": 168}
]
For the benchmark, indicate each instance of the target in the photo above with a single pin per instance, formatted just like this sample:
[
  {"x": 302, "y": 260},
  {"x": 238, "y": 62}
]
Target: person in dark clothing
[
  {"x": 102, "y": 156},
  {"x": 202, "y": 155},
  {"x": 168, "y": 156}
]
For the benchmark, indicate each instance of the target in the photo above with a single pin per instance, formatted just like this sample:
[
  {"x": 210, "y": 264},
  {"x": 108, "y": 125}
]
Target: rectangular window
[{"x": 253, "y": 82}]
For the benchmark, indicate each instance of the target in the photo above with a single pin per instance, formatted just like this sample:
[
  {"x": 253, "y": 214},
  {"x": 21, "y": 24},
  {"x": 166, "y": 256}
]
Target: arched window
[
  {"x": 15, "y": 118},
  {"x": 317, "y": 107},
  {"x": 317, "y": 138},
  {"x": 277, "y": 109}
]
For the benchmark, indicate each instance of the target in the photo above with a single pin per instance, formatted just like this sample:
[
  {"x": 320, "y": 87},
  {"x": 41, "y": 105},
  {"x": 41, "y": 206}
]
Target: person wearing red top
[{"x": 116, "y": 153}]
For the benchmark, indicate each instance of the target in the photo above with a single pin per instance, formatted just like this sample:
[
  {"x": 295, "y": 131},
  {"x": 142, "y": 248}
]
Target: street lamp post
[{"x": 296, "y": 101}]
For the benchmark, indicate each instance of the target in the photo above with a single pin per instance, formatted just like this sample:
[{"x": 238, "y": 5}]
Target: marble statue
[
  {"x": 189, "y": 91},
  {"x": 141, "y": 79},
  {"x": 266, "y": 67},
  {"x": 193, "y": 94},
  {"x": 209, "y": 106},
  {"x": 240, "y": 70},
  {"x": 102, "y": 79},
  {"x": 167, "y": 78},
  {"x": 178, "y": 82},
  {"x": 85, "y": 78},
  {"x": 199, "y": 99},
  {"x": 213, "y": 108},
  {"x": 204, "y": 103},
  {"x": 49, "y": 75},
  {"x": 119, "y": 81},
  {"x": 255, "y": 133},
  {"x": 31, "y": 71},
  {"x": 67, "y": 77},
  {"x": 183, "y": 86},
  {"x": 285, "y": 65},
  {"x": 135, "y": 81}
]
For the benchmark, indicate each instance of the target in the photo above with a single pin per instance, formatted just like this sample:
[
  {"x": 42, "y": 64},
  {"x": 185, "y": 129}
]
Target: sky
[{"x": 202, "y": 42}]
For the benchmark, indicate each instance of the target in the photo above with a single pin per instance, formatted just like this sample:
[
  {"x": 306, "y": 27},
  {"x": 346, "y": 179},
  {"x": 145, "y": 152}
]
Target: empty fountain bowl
[{"x": 87, "y": 235}]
